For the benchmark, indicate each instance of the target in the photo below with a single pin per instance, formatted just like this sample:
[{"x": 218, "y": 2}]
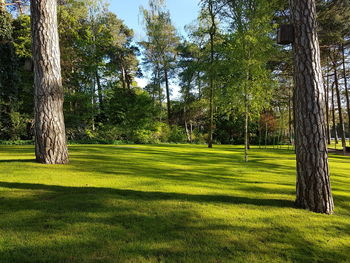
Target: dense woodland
[{"x": 234, "y": 78}]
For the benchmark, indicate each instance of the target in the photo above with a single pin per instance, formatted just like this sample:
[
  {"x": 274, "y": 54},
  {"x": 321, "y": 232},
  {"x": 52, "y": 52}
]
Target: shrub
[{"x": 177, "y": 134}]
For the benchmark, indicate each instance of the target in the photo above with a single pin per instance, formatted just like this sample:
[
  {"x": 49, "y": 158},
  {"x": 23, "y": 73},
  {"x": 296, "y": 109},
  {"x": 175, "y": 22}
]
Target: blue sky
[{"x": 183, "y": 12}]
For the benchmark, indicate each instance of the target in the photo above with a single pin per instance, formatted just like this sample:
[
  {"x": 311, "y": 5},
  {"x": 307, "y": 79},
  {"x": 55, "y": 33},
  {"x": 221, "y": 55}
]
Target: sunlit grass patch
[{"x": 166, "y": 203}]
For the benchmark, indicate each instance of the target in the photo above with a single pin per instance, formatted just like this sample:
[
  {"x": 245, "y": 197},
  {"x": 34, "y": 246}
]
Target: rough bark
[
  {"x": 313, "y": 190},
  {"x": 50, "y": 136}
]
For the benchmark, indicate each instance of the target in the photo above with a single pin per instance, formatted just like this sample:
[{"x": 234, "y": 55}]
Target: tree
[
  {"x": 248, "y": 49},
  {"x": 50, "y": 136},
  {"x": 212, "y": 13},
  {"x": 160, "y": 47},
  {"x": 313, "y": 188}
]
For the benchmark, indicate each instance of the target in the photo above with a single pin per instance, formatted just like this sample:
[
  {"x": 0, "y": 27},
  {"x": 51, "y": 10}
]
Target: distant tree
[
  {"x": 160, "y": 48},
  {"x": 50, "y": 136},
  {"x": 248, "y": 49}
]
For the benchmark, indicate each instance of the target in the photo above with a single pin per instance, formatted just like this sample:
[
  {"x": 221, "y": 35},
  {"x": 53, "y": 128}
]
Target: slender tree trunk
[
  {"x": 326, "y": 89},
  {"x": 191, "y": 131},
  {"x": 266, "y": 134},
  {"x": 99, "y": 92},
  {"x": 260, "y": 133},
  {"x": 167, "y": 93},
  {"x": 186, "y": 126},
  {"x": 313, "y": 189},
  {"x": 333, "y": 118},
  {"x": 341, "y": 122},
  {"x": 19, "y": 6},
  {"x": 211, "y": 76},
  {"x": 160, "y": 92},
  {"x": 199, "y": 86},
  {"x": 346, "y": 89},
  {"x": 50, "y": 136},
  {"x": 290, "y": 117},
  {"x": 246, "y": 117},
  {"x": 123, "y": 78}
]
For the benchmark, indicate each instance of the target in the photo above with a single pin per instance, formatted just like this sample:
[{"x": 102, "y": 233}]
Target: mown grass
[{"x": 166, "y": 203}]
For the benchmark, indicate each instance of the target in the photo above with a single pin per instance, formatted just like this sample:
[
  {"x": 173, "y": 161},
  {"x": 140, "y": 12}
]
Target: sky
[{"x": 183, "y": 12}]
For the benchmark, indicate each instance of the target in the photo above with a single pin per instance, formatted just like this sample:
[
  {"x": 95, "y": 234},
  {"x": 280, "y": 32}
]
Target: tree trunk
[
  {"x": 290, "y": 109},
  {"x": 246, "y": 143},
  {"x": 50, "y": 136},
  {"x": 313, "y": 190},
  {"x": 341, "y": 122},
  {"x": 346, "y": 89},
  {"x": 266, "y": 134},
  {"x": 186, "y": 127},
  {"x": 333, "y": 118},
  {"x": 123, "y": 78},
  {"x": 191, "y": 131},
  {"x": 99, "y": 92},
  {"x": 211, "y": 81},
  {"x": 167, "y": 93},
  {"x": 326, "y": 90}
]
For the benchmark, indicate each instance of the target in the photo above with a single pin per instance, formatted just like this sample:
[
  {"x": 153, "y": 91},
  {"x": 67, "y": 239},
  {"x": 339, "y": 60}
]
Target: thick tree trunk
[
  {"x": 346, "y": 89},
  {"x": 340, "y": 112},
  {"x": 50, "y": 136},
  {"x": 313, "y": 190}
]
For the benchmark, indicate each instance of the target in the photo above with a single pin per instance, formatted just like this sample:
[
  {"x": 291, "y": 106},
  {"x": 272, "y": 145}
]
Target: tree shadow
[
  {"x": 153, "y": 196},
  {"x": 18, "y": 161},
  {"x": 90, "y": 224}
]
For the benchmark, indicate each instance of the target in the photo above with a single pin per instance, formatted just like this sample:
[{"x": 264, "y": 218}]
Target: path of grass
[{"x": 165, "y": 203}]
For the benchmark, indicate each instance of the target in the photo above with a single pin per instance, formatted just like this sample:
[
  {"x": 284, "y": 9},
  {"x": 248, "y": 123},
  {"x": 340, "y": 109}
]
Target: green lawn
[{"x": 166, "y": 203}]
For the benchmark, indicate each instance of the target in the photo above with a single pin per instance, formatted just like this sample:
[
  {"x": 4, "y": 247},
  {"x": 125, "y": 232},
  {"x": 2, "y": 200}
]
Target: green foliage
[
  {"x": 5, "y": 26},
  {"x": 177, "y": 134},
  {"x": 22, "y": 36}
]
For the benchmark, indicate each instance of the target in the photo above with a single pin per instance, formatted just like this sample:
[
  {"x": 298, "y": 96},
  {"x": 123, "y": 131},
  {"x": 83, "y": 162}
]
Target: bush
[
  {"x": 161, "y": 132},
  {"x": 177, "y": 134},
  {"x": 144, "y": 137},
  {"x": 17, "y": 142}
]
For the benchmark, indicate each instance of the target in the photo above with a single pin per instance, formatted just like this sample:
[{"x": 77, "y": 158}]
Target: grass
[{"x": 166, "y": 203}]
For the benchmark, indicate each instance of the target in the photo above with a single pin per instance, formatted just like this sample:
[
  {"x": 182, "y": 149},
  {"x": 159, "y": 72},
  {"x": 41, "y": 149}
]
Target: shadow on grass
[
  {"x": 153, "y": 196},
  {"x": 19, "y": 161},
  {"x": 89, "y": 224}
]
